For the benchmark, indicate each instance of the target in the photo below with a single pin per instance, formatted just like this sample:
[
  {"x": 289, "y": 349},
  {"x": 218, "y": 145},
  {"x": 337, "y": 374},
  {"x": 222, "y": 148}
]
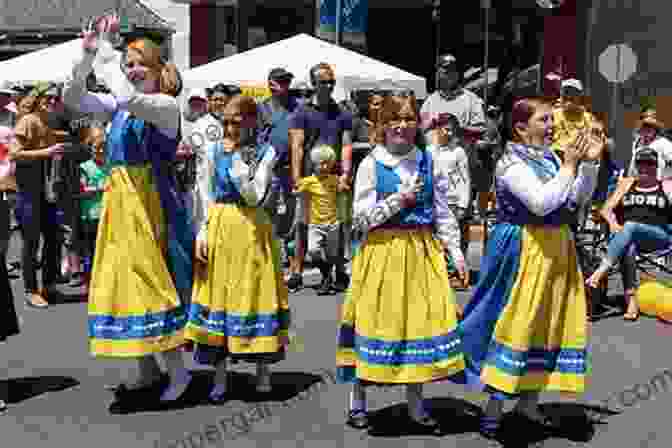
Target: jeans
[
  {"x": 38, "y": 217},
  {"x": 647, "y": 237}
]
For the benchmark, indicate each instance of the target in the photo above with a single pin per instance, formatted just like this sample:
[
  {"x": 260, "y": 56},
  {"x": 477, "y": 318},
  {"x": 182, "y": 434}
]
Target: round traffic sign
[{"x": 617, "y": 63}]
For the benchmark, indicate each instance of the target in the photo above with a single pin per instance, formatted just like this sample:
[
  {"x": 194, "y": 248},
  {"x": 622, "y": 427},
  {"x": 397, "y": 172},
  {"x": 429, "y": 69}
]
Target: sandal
[
  {"x": 36, "y": 300},
  {"x": 631, "y": 316}
]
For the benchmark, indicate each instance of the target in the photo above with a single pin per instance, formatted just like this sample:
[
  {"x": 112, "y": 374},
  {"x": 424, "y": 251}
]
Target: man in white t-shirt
[
  {"x": 650, "y": 135},
  {"x": 453, "y": 99}
]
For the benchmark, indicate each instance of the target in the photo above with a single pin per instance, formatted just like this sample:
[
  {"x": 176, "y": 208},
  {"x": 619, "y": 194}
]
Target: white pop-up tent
[
  {"x": 298, "y": 54},
  {"x": 53, "y": 63}
]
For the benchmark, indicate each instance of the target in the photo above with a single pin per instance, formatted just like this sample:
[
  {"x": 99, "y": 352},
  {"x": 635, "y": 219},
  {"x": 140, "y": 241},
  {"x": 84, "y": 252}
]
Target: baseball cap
[
  {"x": 280, "y": 73},
  {"x": 573, "y": 83},
  {"x": 446, "y": 60},
  {"x": 198, "y": 93},
  {"x": 646, "y": 155}
]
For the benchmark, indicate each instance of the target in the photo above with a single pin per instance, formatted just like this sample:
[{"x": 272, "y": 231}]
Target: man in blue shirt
[
  {"x": 273, "y": 125},
  {"x": 320, "y": 121}
]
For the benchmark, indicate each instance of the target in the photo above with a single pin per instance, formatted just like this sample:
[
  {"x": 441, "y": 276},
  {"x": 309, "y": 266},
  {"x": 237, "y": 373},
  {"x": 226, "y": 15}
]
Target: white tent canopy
[
  {"x": 297, "y": 55},
  {"x": 53, "y": 63}
]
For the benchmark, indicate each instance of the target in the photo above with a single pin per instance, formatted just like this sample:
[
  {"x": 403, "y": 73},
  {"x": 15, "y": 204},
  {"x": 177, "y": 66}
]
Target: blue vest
[{"x": 387, "y": 183}]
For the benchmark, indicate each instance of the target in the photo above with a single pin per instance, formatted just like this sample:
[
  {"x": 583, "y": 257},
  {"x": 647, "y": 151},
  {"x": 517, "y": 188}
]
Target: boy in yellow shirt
[{"x": 323, "y": 226}]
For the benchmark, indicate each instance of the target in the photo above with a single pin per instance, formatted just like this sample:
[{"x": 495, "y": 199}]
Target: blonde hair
[
  {"x": 321, "y": 154},
  {"x": 170, "y": 82}
]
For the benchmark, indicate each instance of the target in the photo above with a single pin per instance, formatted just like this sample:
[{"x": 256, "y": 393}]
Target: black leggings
[
  {"x": 39, "y": 218},
  {"x": 4, "y": 225}
]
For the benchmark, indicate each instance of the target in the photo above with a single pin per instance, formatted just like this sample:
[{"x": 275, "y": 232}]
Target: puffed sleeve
[
  {"x": 539, "y": 198},
  {"x": 205, "y": 191},
  {"x": 157, "y": 108},
  {"x": 76, "y": 96},
  {"x": 368, "y": 212},
  {"x": 445, "y": 222}
]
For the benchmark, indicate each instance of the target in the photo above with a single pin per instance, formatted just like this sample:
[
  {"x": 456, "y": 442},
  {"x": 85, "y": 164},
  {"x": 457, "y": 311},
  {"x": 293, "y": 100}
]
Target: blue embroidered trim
[
  {"x": 517, "y": 363},
  {"x": 422, "y": 351},
  {"x": 251, "y": 325},
  {"x": 137, "y": 327}
]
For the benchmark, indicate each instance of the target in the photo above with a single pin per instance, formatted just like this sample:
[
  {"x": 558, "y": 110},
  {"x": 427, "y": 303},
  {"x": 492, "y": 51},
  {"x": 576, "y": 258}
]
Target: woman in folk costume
[
  {"x": 524, "y": 330},
  {"x": 399, "y": 320},
  {"x": 142, "y": 269},
  {"x": 240, "y": 307}
]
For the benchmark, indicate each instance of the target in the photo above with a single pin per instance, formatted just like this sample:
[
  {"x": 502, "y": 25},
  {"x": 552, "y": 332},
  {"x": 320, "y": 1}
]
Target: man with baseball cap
[
  {"x": 570, "y": 116},
  {"x": 273, "y": 129},
  {"x": 451, "y": 98},
  {"x": 650, "y": 134}
]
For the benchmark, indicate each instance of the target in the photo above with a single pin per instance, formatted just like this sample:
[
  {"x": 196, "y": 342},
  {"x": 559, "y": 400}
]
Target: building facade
[{"x": 30, "y": 25}]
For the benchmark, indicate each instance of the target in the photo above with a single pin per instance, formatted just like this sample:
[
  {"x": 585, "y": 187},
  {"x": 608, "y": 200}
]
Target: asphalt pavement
[{"x": 57, "y": 392}]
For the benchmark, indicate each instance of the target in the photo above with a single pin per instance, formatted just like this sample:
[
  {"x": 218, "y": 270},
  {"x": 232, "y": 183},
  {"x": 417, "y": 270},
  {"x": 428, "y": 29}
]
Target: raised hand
[
  {"x": 597, "y": 143},
  {"x": 89, "y": 35}
]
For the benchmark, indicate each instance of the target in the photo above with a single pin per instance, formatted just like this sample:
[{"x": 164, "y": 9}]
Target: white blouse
[
  {"x": 369, "y": 212},
  {"x": 157, "y": 108},
  {"x": 253, "y": 185},
  {"x": 542, "y": 198}
]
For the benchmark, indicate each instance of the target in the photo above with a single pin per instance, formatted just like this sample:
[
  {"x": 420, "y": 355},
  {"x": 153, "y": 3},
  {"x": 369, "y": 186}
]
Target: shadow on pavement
[
  {"x": 21, "y": 389},
  {"x": 285, "y": 385},
  {"x": 455, "y": 416},
  {"x": 241, "y": 386}
]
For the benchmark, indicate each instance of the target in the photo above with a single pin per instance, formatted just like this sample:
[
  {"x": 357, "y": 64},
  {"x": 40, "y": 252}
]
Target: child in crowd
[
  {"x": 324, "y": 227},
  {"x": 92, "y": 175},
  {"x": 452, "y": 160}
]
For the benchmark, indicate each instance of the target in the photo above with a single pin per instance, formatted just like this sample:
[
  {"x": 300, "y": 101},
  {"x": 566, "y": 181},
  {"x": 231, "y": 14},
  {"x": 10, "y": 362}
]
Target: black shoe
[
  {"x": 295, "y": 283},
  {"x": 358, "y": 419},
  {"x": 489, "y": 427},
  {"x": 342, "y": 282},
  {"x": 326, "y": 287}
]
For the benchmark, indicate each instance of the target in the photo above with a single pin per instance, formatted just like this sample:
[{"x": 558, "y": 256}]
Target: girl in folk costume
[
  {"x": 240, "y": 306},
  {"x": 399, "y": 320},
  {"x": 142, "y": 269},
  {"x": 524, "y": 330}
]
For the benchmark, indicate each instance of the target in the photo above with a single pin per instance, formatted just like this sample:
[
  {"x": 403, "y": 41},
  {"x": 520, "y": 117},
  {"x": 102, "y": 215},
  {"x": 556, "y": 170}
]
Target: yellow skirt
[
  {"x": 540, "y": 339},
  {"x": 134, "y": 309},
  {"x": 240, "y": 301},
  {"x": 399, "y": 322}
]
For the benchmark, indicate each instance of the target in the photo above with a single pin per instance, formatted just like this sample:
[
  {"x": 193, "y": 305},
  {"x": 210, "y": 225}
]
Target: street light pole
[
  {"x": 436, "y": 16},
  {"x": 339, "y": 23},
  {"x": 486, "y": 6}
]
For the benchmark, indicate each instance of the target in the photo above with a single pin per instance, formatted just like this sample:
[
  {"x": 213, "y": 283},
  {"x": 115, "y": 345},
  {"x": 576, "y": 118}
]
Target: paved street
[{"x": 58, "y": 399}]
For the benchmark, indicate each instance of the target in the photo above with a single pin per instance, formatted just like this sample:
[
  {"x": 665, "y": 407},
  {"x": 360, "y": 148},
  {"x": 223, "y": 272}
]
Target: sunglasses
[{"x": 234, "y": 123}]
